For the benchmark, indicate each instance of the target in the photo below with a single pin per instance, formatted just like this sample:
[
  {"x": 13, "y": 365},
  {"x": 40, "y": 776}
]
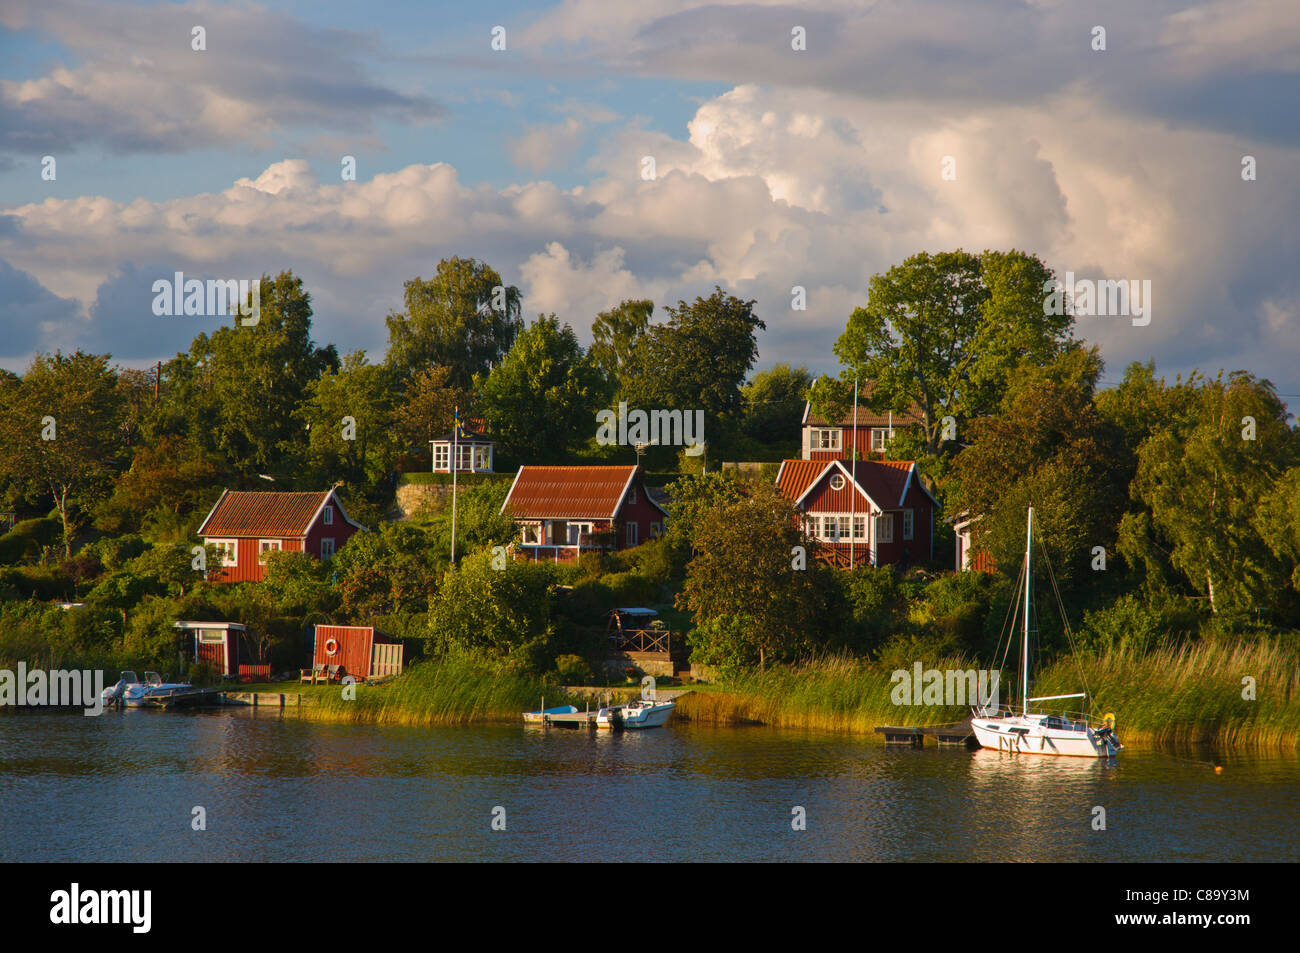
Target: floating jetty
[{"x": 955, "y": 735}]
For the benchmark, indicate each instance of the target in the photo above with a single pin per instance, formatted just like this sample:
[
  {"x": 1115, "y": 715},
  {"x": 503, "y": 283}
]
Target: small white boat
[
  {"x": 638, "y": 713},
  {"x": 1028, "y": 732},
  {"x": 154, "y": 691},
  {"x": 113, "y": 694},
  {"x": 542, "y": 716}
]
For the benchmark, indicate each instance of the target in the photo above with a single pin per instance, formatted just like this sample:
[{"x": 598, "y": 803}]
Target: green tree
[
  {"x": 393, "y": 570},
  {"x": 465, "y": 318},
  {"x": 750, "y": 604},
  {"x": 1203, "y": 479},
  {"x": 698, "y": 360},
  {"x": 947, "y": 331},
  {"x": 60, "y": 434},
  {"x": 774, "y": 402},
  {"x": 428, "y": 408},
  {"x": 615, "y": 334},
  {"x": 348, "y": 415},
  {"x": 540, "y": 401},
  {"x": 256, "y": 376},
  {"x": 503, "y": 611}
]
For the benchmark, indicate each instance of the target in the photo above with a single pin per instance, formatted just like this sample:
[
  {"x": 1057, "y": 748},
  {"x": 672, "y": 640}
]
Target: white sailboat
[{"x": 1030, "y": 732}]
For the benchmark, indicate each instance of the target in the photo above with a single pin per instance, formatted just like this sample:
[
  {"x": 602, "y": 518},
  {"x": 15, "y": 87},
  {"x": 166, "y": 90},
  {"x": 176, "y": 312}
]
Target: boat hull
[{"x": 1020, "y": 738}]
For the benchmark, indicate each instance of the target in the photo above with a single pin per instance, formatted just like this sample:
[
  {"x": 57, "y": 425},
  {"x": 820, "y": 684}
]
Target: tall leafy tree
[
  {"x": 697, "y": 360},
  {"x": 60, "y": 433},
  {"x": 464, "y": 318},
  {"x": 255, "y": 376},
  {"x": 615, "y": 334},
  {"x": 540, "y": 401},
  {"x": 349, "y": 419},
  {"x": 1202, "y": 480},
  {"x": 774, "y": 403},
  {"x": 947, "y": 331},
  {"x": 428, "y": 408}
]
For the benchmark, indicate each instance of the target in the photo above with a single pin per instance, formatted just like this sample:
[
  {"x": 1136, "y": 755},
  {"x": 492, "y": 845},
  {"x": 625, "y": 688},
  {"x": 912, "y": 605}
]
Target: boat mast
[{"x": 1024, "y": 656}]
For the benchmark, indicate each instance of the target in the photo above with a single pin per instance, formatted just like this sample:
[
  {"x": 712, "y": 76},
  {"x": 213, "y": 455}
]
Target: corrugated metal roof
[
  {"x": 866, "y": 417},
  {"x": 263, "y": 513},
  {"x": 882, "y": 480},
  {"x": 567, "y": 492}
]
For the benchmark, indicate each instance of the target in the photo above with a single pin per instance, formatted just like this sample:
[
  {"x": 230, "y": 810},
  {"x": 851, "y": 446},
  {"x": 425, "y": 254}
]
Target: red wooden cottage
[
  {"x": 246, "y": 526},
  {"x": 826, "y": 440},
  {"x": 969, "y": 557},
  {"x": 564, "y": 511},
  {"x": 875, "y": 513},
  {"x": 358, "y": 650}
]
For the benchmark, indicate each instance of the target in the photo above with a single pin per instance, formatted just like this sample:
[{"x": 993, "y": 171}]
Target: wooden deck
[{"x": 945, "y": 736}]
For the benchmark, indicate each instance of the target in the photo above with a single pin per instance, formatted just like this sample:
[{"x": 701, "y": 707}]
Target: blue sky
[{"x": 776, "y": 167}]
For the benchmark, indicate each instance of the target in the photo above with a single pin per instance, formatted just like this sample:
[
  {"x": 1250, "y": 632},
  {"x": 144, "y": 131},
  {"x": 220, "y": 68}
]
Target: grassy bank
[
  {"x": 435, "y": 692},
  {"x": 1187, "y": 694}
]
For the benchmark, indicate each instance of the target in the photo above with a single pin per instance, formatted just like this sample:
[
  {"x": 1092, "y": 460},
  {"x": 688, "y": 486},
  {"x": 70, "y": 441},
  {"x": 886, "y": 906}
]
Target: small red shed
[{"x": 358, "y": 650}]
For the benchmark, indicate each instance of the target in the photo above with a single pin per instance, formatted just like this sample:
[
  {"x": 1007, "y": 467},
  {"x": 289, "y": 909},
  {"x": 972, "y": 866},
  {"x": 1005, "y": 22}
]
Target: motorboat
[
  {"x": 153, "y": 691},
  {"x": 638, "y": 713},
  {"x": 113, "y": 694},
  {"x": 1035, "y": 732}
]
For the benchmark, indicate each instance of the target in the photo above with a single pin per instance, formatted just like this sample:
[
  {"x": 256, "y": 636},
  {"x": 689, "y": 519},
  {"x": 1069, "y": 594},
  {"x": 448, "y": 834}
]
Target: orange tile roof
[
  {"x": 567, "y": 492},
  {"x": 882, "y": 480},
  {"x": 867, "y": 417},
  {"x": 263, "y": 513}
]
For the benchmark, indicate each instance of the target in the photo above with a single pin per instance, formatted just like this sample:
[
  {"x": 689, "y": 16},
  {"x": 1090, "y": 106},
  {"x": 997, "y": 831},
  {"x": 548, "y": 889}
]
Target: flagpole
[
  {"x": 853, "y": 468},
  {"x": 455, "y": 462}
]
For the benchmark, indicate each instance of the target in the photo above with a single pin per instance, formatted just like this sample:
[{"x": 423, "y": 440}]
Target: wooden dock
[
  {"x": 262, "y": 699},
  {"x": 574, "y": 719},
  {"x": 914, "y": 736}
]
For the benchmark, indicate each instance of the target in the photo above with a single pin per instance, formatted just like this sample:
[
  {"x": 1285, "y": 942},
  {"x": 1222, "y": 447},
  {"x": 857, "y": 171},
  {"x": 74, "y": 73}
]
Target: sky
[{"x": 900, "y": 127}]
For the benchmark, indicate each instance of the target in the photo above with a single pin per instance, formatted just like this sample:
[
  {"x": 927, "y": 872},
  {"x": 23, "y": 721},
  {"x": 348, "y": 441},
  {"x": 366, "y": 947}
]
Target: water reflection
[{"x": 121, "y": 787}]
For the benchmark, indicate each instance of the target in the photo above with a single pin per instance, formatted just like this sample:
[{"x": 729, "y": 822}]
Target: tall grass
[
  {"x": 836, "y": 693},
  {"x": 1191, "y": 693},
  {"x": 443, "y": 691}
]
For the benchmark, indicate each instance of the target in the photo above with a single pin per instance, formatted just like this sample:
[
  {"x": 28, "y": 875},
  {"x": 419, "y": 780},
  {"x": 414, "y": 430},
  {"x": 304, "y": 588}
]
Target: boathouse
[
  {"x": 562, "y": 512},
  {"x": 223, "y": 646},
  {"x": 874, "y": 512},
  {"x": 358, "y": 650},
  {"x": 247, "y": 526}
]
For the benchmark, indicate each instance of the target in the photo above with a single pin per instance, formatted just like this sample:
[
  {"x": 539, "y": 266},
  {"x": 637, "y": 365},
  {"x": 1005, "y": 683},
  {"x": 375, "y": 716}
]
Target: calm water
[{"x": 121, "y": 787}]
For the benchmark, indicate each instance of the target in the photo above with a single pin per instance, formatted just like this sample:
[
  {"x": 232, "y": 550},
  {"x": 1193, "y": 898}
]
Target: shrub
[{"x": 573, "y": 670}]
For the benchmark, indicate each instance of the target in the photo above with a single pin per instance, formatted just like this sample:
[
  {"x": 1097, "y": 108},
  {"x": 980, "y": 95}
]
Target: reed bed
[
  {"x": 447, "y": 691},
  {"x": 835, "y": 693}
]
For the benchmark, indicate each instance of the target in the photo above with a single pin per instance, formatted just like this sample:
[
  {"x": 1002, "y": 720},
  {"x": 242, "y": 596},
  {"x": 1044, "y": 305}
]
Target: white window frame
[
  {"x": 631, "y": 494},
  {"x": 573, "y": 538},
  {"x": 885, "y": 528},
  {"x": 481, "y": 458},
  {"x": 276, "y": 546},
  {"x": 837, "y": 481},
  {"x": 879, "y": 438},
  {"x": 323, "y": 547},
  {"x": 633, "y": 534},
  {"x": 909, "y": 524},
  {"x": 656, "y": 530},
  {"x": 824, "y": 438},
  {"x": 212, "y": 636},
  {"x": 327, "y": 515},
  {"x": 441, "y": 457},
  {"x": 859, "y": 526},
  {"x": 229, "y": 551},
  {"x": 537, "y": 530}
]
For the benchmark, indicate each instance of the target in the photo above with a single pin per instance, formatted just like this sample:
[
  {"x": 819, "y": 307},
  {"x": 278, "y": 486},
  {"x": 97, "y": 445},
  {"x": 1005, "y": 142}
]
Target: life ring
[{"x": 331, "y": 646}]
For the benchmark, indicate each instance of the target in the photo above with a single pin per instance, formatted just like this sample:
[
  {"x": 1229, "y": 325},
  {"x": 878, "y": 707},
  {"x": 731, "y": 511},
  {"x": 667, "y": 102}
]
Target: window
[
  {"x": 328, "y": 516},
  {"x": 326, "y": 547},
  {"x": 879, "y": 435},
  {"x": 632, "y": 534},
  {"x": 837, "y": 481},
  {"x": 265, "y": 546},
  {"x": 885, "y": 528},
  {"x": 907, "y": 524},
  {"x": 828, "y": 439},
  {"x": 576, "y": 531},
  {"x": 464, "y": 456},
  {"x": 532, "y": 534},
  {"x": 212, "y": 636},
  {"x": 441, "y": 457},
  {"x": 859, "y": 527},
  {"x": 631, "y": 495},
  {"x": 481, "y": 459},
  {"x": 656, "y": 530},
  {"x": 844, "y": 527},
  {"x": 229, "y": 551}
]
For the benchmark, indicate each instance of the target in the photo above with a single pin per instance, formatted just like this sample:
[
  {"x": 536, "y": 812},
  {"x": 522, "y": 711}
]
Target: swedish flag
[{"x": 458, "y": 428}]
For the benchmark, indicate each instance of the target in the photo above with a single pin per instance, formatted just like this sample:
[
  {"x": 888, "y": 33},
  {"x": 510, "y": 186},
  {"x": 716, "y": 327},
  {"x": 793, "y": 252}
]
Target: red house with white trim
[
  {"x": 876, "y": 512},
  {"x": 562, "y": 512},
  {"x": 246, "y": 526},
  {"x": 834, "y": 440}
]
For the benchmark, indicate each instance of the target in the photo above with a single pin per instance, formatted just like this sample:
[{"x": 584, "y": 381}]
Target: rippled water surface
[{"x": 122, "y": 787}]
